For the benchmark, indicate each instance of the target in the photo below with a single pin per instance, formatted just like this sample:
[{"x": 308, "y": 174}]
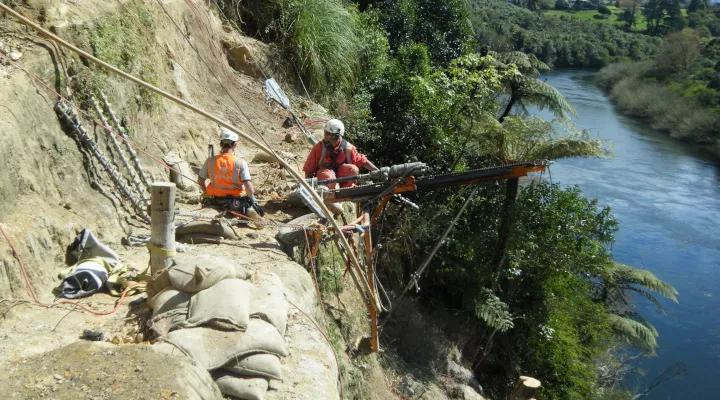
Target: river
[{"x": 666, "y": 196}]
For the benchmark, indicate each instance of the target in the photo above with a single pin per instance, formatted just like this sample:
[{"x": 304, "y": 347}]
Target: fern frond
[
  {"x": 538, "y": 93},
  {"x": 628, "y": 275},
  {"x": 566, "y": 147},
  {"x": 635, "y": 332}
]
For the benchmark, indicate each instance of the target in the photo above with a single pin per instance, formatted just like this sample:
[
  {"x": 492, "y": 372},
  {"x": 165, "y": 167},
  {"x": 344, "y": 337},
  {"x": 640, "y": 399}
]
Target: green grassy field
[{"x": 640, "y": 23}]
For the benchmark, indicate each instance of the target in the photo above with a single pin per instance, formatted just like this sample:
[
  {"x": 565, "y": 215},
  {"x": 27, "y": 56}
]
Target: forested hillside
[
  {"x": 525, "y": 283},
  {"x": 663, "y": 54},
  {"x": 562, "y": 40},
  {"x": 678, "y": 90},
  {"x": 441, "y": 82}
]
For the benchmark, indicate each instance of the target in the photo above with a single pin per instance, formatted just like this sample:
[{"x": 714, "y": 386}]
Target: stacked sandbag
[{"x": 228, "y": 322}]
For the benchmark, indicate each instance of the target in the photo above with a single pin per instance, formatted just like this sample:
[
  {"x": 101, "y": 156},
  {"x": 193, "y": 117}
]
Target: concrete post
[{"x": 162, "y": 216}]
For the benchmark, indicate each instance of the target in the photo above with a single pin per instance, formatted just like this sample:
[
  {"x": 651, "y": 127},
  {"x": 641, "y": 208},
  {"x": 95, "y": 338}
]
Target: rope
[
  {"x": 301, "y": 127},
  {"x": 213, "y": 74},
  {"x": 313, "y": 265},
  {"x": 162, "y": 250}
]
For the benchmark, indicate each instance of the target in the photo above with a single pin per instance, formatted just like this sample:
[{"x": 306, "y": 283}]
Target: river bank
[
  {"x": 636, "y": 93},
  {"x": 666, "y": 197}
]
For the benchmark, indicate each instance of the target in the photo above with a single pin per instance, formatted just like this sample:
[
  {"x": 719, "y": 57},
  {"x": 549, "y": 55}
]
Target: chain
[
  {"x": 139, "y": 189},
  {"x": 123, "y": 133},
  {"x": 69, "y": 117}
]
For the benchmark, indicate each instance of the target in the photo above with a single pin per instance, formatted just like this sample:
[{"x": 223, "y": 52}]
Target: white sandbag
[
  {"x": 242, "y": 388},
  {"x": 268, "y": 301},
  {"x": 256, "y": 365},
  {"x": 193, "y": 273},
  {"x": 170, "y": 310},
  {"x": 212, "y": 348},
  {"x": 225, "y": 305}
]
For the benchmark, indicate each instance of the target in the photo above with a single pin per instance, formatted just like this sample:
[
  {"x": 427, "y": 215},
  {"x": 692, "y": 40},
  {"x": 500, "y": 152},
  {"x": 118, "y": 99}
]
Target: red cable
[
  {"x": 77, "y": 303},
  {"x": 23, "y": 270}
]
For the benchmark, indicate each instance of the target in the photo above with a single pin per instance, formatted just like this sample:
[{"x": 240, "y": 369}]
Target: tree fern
[
  {"x": 619, "y": 282},
  {"x": 533, "y": 91},
  {"x": 638, "y": 333},
  {"x": 626, "y": 276}
]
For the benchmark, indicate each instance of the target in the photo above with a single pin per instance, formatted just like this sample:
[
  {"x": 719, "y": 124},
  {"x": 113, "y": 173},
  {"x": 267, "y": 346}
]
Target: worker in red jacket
[{"x": 334, "y": 157}]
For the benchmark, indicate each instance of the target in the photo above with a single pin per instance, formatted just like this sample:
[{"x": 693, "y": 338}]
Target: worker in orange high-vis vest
[
  {"x": 335, "y": 157},
  {"x": 227, "y": 177}
]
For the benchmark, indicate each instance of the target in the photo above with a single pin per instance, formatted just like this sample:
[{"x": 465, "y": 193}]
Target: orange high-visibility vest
[{"x": 224, "y": 174}]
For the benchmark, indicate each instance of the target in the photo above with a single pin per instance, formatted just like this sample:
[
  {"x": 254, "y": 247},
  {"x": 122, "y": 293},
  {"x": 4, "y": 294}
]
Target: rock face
[{"x": 246, "y": 55}]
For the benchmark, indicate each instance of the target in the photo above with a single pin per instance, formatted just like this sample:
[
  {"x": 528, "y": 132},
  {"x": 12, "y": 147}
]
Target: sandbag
[
  {"x": 256, "y": 365},
  {"x": 211, "y": 349},
  {"x": 214, "y": 228},
  {"x": 268, "y": 301},
  {"x": 291, "y": 235},
  {"x": 241, "y": 388},
  {"x": 225, "y": 305},
  {"x": 198, "y": 272},
  {"x": 170, "y": 310},
  {"x": 159, "y": 282}
]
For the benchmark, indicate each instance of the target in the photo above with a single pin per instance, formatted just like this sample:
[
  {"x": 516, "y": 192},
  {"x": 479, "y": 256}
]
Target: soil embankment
[{"x": 51, "y": 187}]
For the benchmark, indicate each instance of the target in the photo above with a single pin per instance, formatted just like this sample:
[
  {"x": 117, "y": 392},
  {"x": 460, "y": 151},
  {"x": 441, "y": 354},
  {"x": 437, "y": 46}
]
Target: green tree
[
  {"x": 562, "y": 5},
  {"x": 654, "y": 12},
  {"x": 696, "y": 5},
  {"x": 629, "y": 12},
  {"x": 674, "y": 20},
  {"x": 663, "y": 16},
  {"x": 443, "y": 26},
  {"x": 678, "y": 51},
  {"x": 526, "y": 89}
]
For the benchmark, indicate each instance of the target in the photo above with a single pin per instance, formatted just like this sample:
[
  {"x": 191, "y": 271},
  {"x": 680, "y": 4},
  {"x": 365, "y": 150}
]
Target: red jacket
[{"x": 344, "y": 153}]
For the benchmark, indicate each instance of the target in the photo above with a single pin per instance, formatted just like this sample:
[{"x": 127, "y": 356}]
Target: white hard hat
[
  {"x": 228, "y": 135},
  {"x": 335, "y": 127}
]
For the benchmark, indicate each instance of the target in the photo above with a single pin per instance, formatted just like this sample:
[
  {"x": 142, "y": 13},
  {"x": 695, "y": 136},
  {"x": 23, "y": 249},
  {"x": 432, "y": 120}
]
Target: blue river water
[{"x": 666, "y": 196}]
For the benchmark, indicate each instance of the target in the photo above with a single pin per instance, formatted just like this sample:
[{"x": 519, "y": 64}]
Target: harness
[{"x": 344, "y": 147}]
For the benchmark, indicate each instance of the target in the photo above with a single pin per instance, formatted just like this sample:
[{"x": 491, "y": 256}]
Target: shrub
[{"x": 321, "y": 38}]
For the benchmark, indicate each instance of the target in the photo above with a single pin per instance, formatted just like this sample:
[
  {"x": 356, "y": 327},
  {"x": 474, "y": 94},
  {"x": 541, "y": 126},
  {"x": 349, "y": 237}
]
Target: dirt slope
[{"x": 47, "y": 194}]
